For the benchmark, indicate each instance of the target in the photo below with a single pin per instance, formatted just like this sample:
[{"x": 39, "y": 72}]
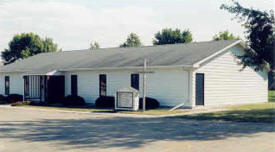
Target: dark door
[
  {"x": 55, "y": 89},
  {"x": 74, "y": 85},
  {"x": 199, "y": 89}
]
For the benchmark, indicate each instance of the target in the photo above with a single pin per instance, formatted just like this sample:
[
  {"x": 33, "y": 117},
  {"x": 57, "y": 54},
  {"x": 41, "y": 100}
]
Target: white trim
[
  {"x": 180, "y": 67},
  {"x": 12, "y": 71},
  {"x": 197, "y": 64}
]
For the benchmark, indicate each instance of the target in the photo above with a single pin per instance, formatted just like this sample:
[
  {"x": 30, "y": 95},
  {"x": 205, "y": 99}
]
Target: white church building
[{"x": 192, "y": 74}]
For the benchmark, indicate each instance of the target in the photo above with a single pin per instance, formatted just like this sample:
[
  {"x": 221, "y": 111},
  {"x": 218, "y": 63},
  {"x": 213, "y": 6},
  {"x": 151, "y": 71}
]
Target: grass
[
  {"x": 156, "y": 112},
  {"x": 96, "y": 109},
  {"x": 271, "y": 96},
  {"x": 264, "y": 112},
  {"x": 81, "y": 109}
]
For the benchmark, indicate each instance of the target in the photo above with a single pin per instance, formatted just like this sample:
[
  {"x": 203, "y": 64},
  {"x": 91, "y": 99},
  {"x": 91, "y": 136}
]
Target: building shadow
[{"x": 125, "y": 131}]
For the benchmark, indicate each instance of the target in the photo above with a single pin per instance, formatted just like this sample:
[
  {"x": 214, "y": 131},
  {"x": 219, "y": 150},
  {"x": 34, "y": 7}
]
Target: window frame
[
  {"x": 74, "y": 85},
  {"x": 7, "y": 85},
  {"x": 102, "y": 88},
  {"x": 26, "y": 86},
  {"x": 135, "y": 77}
]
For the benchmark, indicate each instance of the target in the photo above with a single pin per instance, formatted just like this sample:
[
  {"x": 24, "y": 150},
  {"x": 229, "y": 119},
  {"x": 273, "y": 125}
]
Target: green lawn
[
  {"x": 162, "y": 111},
  {"x": 157, "y": 112},
  {"x": 271, "y": 96},
  {"x": 83, "y": 109},
  {"x": 264, "y": 112}
]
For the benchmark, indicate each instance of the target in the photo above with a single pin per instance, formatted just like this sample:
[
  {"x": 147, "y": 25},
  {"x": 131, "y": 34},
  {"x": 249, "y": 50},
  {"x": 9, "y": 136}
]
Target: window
[
  {"x": 26, "y": 86},
  {"x": 74, "y": 85},
  {"x": 102, "y": 85},
  {"x": 135, "y": 81},
  {"x": 7, "y": 85}
]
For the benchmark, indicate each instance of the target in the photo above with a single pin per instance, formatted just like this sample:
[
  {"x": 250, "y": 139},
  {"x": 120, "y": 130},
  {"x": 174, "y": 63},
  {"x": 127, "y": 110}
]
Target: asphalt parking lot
[{"x": 28, "y": 130}]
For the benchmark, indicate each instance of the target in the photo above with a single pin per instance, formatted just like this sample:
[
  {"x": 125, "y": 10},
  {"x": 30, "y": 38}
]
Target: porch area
[{"x": 44, "y": 88}]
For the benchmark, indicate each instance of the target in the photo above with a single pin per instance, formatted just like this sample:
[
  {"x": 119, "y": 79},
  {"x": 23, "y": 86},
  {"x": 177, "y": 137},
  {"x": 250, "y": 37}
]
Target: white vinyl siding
[
  {"x": 168, "y": 87},
  {"x": 16, "y": 83},
  {"x": 225, "y": 83},
  {"x": 2, "y": 85}
]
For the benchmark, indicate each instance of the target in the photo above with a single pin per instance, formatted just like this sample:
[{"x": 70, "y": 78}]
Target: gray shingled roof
[{"x": 162, "y": 55}]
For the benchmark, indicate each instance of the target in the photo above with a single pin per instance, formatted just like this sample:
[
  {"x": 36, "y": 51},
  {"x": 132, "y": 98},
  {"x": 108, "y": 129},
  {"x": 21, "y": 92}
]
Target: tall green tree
[
  {"x": 260, "y": 35},
  {"x": 225, "y": 35},
  {"x": 132, "y": 40},
  {"x": 25, "y": 45},
  {"x": 170, "y": 36},
  {"x": 94, "y": 45},
  {"x": 49, "y": 45}
]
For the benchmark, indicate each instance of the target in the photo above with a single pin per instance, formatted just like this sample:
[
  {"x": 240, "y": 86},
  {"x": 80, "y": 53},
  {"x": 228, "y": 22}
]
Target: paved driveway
[{"x": 28, "y": 130}]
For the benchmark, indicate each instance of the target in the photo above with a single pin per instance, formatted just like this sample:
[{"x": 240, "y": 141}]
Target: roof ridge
[{"x": 145, "y": 46}]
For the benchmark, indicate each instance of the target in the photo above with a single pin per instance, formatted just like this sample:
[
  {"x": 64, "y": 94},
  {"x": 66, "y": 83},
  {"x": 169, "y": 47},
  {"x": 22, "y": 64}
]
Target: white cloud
[{"x": 73, "y": 25}]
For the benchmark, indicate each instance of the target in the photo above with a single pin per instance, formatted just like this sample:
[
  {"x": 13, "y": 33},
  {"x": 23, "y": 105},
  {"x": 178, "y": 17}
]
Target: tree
[
  {"x": 25, "y": 45},
  {"x": 49, "y": 45},
  {"x": 132, "y": 41},
  {"x": 94, "y": 46},
  {"x": 170, "y": 36},
  {"x": 225, "y": 35},
  {"x": 260, "y": 35}
]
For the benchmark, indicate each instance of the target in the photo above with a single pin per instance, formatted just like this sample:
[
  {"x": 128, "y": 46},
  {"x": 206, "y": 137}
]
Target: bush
[
  {"x": 39, "y": 103},
  {"x": 151, "y": 103},
  {"x": 3, "y": 99},
  {"x": 14, "y": 98},
  {"x": 73, "y": 101},
  {"x": 105, "y": 102}
]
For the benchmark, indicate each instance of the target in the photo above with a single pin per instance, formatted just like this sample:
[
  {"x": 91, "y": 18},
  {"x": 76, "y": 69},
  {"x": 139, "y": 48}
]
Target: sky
[{"x": 73, "y": 24}]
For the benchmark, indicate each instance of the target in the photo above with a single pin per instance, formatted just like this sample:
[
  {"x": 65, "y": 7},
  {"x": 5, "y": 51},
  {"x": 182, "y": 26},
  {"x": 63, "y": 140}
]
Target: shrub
[
  {"x": 73, "y": 101},
  {"x": 14, "y": 98},
  {"x": 39, "y": 103},
  {"x": 151, "y": 103},
  {"x": 3, "y": 99},
  {"x": 105, "y": 102}
]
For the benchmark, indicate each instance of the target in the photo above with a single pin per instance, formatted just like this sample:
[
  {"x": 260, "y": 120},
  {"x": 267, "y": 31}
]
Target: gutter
[
  {"x": 185, "y": 67},
  {"x": 179, "y": 67}
]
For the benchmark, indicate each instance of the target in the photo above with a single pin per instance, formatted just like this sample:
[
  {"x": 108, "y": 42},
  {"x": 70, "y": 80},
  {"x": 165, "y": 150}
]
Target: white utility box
[{"x": 127, "y": 99}]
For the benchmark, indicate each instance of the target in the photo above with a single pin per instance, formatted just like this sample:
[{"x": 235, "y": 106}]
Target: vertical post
[{"x": 144, "y": 86}]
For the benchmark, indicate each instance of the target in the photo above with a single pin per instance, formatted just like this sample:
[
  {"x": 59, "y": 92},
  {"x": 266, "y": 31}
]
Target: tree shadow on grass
[
  {"x": 255, "y": 115},
  {"x": 124, "y": 131}
]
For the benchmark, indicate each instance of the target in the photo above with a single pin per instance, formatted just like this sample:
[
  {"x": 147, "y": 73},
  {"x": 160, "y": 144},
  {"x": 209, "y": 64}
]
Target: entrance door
[
  {"x": 55, "y": 89},
  {"x": 199, "y": 89}
]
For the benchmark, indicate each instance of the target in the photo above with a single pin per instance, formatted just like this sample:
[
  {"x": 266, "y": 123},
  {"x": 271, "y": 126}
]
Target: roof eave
[{"x": 185, "y": 67}]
